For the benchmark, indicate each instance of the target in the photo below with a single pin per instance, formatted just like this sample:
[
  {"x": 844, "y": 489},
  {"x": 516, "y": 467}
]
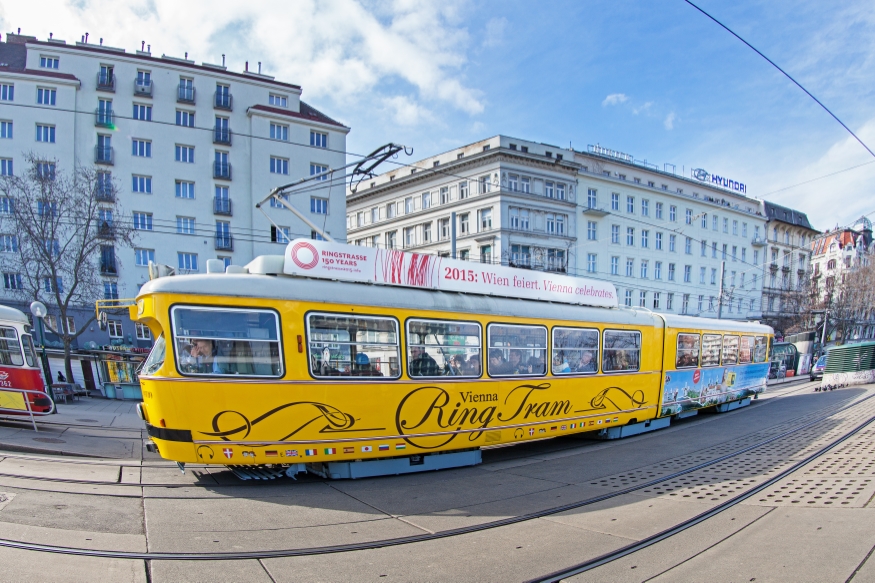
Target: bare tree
[{"x": 65, "y": 239}]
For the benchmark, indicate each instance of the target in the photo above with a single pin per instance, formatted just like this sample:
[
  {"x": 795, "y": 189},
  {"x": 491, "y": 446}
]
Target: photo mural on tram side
[{"x": 685, "y": 390}]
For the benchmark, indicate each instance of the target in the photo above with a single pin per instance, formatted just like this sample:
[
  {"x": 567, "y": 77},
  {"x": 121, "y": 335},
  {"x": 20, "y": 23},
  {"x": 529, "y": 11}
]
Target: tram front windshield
[{"x": 10, "y": 350}]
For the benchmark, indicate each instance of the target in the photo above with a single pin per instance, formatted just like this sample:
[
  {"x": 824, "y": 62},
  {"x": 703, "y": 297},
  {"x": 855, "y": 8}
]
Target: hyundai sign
[{"x": 702, "y": 176}]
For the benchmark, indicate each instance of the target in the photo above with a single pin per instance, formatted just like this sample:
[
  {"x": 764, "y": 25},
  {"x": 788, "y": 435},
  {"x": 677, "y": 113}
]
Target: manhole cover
[
  {"x": 87, "y": 420},
  {"x": 48, "y": 440}
]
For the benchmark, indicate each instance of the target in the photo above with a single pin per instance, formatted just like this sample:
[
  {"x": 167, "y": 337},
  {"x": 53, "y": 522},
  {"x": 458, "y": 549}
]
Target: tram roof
[
  {"x": 13, "y": 315},
  {"x": 295, "y": 288}
]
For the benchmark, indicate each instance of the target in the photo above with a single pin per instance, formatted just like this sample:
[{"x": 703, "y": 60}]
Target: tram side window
[
  {"x": 10, "y": 351},
  {"x": 745, "y": 351},
  {"x": 226, "y": 341},
  {"x": 353, "y": 346},
  {"x": 711, "y": 349},
  {"x": 436, "y": 348},
  {"x": 760, "y": 349},
  {"x": 517, "y": 350},
  {"x": 688, "y": 350},
  {"x": 155, "y": 359},
  {"x": 29, "y": 351},
  {"x": 621, "y": 351},
  {"x": 575, "y": 350},
  {"x": 730, "y": 350}
]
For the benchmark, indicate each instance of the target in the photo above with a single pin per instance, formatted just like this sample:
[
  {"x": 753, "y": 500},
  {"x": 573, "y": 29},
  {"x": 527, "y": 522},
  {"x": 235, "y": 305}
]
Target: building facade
[
  {"x": 191, "y": 148},
  {"x": 659, "y": 237},
  {"x": 785, "y": 273}
]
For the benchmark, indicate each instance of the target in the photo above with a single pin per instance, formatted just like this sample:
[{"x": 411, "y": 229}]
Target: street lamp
[{"x": 39, "y": 311}]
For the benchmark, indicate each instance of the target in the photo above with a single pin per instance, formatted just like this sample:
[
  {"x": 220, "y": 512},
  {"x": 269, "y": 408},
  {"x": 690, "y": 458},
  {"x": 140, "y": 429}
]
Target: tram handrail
[{"x": 28, "y": 408}]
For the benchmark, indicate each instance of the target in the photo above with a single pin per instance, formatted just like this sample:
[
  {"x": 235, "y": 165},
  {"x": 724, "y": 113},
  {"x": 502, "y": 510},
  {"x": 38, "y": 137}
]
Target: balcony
[
  {"x": 104, "y": 193},
  {"x": 103, "y": 155},
  {"x": 105, "y": 231},
  {"x": 224, "y": 242},
  {"x": 222, "y": 206},
  {"x": 143, "y": 88},
  {"x": 222, "y": 136},
  {"x": 773, "y": 266},
  {"x": 108, "y": 268},
  {"x": 223, "y": 101},
  {"x": 758, "y": 242},
  {"x": 222, "y": 170},
  {"x": 104, "y": 118},
  {"x": 185, "y": 94},
  {"x": 106, "y": 82},
  {"x": 594, "y": 212},
  {"x": 785, "y": 268}
]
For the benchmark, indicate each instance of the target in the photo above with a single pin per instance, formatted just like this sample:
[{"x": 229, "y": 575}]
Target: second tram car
[
  {"x": 19, "y": 367},
  {"x": 265, "y": 365}
]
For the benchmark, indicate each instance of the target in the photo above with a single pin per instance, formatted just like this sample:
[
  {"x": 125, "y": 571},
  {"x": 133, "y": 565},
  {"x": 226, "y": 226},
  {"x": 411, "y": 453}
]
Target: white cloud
[
  {"x": 615, "y": 99},
  {"x": 406, "y": 111},
  {"x": 669, "y": 121},
  {"x": 340, "y": 50},
  {"x": 643, "y": 109},
  {"x": 495, "y": 29}
]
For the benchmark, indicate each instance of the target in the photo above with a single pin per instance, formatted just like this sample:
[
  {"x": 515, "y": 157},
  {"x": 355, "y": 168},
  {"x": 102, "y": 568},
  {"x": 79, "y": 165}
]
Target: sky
[{"x": 654, "y": 79}]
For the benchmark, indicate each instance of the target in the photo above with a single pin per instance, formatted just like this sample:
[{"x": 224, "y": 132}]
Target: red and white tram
[{"x": 20, "y": 375}]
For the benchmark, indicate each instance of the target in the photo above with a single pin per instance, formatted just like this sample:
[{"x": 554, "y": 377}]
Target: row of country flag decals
[{"x": 229, "y": 453}]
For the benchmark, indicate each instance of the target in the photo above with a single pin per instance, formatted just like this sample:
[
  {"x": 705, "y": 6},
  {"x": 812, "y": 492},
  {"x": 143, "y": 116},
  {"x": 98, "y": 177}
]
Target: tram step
[
  {"x": 634, "y": 428},
  {"x": 399, "y": 465},
  {"x": 732, "y": 405},
  {"x": 258, "y": 472}
]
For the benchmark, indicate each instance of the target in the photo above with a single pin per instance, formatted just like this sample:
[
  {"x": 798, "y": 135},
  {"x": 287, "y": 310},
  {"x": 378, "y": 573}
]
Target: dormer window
[{"x": 278, "y": 100}]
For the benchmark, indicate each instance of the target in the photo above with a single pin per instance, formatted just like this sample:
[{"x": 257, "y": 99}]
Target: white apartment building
[
  {"x": 190, "y": 147},
  {"x": 514, "y": 203},
  {"x": 789, "y": 236},
  {"x": 658, "y": 236}
]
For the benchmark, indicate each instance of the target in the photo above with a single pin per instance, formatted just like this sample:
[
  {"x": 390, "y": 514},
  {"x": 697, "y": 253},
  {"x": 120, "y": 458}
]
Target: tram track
[{"x": 382, "y": 543}]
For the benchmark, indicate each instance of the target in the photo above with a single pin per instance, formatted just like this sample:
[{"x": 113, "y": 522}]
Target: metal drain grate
[
  {"x": 819, "y": 492},
  {"x": 48, "y": 440},
  {"x": 87, "y": 420}
]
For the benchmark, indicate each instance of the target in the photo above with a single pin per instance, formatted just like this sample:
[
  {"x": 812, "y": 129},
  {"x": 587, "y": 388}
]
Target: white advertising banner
[{"x": 309, "y": 258}]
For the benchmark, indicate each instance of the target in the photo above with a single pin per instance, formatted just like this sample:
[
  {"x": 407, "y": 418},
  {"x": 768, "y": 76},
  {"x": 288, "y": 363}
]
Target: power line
[{"x": 795, "y": 82}]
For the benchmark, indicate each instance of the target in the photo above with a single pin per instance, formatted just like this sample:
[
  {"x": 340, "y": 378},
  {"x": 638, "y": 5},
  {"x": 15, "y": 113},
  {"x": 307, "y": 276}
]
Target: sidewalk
[{"x": 89, "y": 427}]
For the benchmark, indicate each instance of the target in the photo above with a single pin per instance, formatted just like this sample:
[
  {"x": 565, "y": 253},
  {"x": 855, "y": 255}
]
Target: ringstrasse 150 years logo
[{"x": 305, "y": 255}]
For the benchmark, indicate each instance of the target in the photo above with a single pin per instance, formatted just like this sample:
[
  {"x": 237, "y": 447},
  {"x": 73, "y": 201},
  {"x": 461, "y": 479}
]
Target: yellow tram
[{"x": 338, "y": 354}]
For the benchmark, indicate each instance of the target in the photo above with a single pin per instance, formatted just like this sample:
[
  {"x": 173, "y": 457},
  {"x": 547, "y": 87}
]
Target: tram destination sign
[{"x": 309, "y": 258}]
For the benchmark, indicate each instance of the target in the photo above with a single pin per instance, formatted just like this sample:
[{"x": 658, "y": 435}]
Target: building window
[
  {"x": 318, "y": 139},
  {"x": 141, "y": 148},
  {"x": 513, "y": 181},
  {"x": 144, "y": 256},
  {"x": 318, "y": 206},
  {"x": 48, "y": 62},
  {"x": 463, "y": 190},
  {"x": 615, "y": 201},
  {"x": 6, "y": 167},
  {"x": 592, "y": 198},
  {"x": 279, "y": 165},
  {"x": 704, "y": 246},
  {"x": 644, "y": 263},
  {"x": 426, "y": 232},
  {"x": 688, "y": 273},
  {"x": 520, "y": 254},
  {"x": 615, "y": 234},
  {"x": 519, "y": 218},
  {"x": 486, "y": 254},
  {"x": 630, "y": 236},
  {"x": 142, "y": 184},
  {"x": 630, "y": 204},
  {"x": 735, "y": 228},
  {"x": 713, "y": 276},
  {"x": 630, "y": 267},
  {"x": 12, "y": 281},
  {"x": 318, "y": 170},
  {"x": 658, "y": 243},
  {"x": 591, "y": 231},
  {"x": 7, "y": 92},
  {"x": 185, "y": 154},
  {"x": 46, "y": 96},
  {"x": 657, "y": 270},
  {"x": 672, "y": 240},
  {"x": 184, "y": 189},
  {"x": 114, "y": 326},
  {"x": 735, "y": 253},
  {"x": 685, "y": 303},
  {"x": 701, "y": 302},
  {"x": 642, "y": 299},
  {"x": 7, "y": 205},
  {"x": 704, "y": 220},
  {"x": 187, "y": 261},
  {"x": 555, "y": 224},
  {"x": 671, "y": 271},
  {"x": 688, "y": 219},
  {"x": 185, "y": 225},
  {"x": 628, "y": 299},
  {"x": 279, "y": 132},
  {"x": 556, "y": 260},
  {"x": 591, "y": 262},
  {"x": 673, "y": 213},
  {"x": 425, "y": 200},
  {"x": 142, "y": 221},
  {"x": 278, "y": 100},
  {"x": 485, "y": 184},
  {"x": 688, "y": 246},
  {"x": 142, "y": 112},
  {"x": 463, "y": 223},
  {"x": 645, "y": 207},
  {"x": 279, "y": 234},
  {"x": 6, "y": 129},
  {"x": 659, "y": 210},
  {"x": 655, "y": 300},
  {"x": 615, "y": 265},
  {"x": 645, "y": 238},
  {"x": 485, "y": 219},
  {"x": 143, "y": 332},
  {"x": 45, "y": 133},
  {"x": 185, "y": 118},
  {"x": 560, "y": 190},
  {"x": 726, "y": 227},
  {"x": 56, "y": 285},
  {"x": 46, "y": 170},
  {"x": 669, "y": 300}
]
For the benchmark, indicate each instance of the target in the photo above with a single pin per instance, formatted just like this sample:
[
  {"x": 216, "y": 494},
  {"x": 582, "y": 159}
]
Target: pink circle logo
[{"x": 305, "y": 255}]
